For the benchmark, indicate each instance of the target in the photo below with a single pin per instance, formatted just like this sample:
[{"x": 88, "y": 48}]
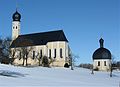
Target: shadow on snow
[{"x": 11, "y": 74}]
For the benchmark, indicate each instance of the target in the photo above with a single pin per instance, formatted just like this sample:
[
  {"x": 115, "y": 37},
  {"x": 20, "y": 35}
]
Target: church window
[
  {"x": 40, "y": 53},
  {"x": 98, "y": 63},
  {"x": 16, "y": 27},
  {"x": 104, "y": 63},
  {"x": 54, "y": 53},
  {"x": 49, "y": 53},
  {"x": 13, "y": 53},
  {"x": 20, "y": 55},
  {"x": 33, "y": 54},
  {"x": 61, "y": 53}
]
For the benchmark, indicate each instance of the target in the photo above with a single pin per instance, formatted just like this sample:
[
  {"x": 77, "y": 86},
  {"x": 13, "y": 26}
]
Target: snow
[{"x": 14, "y": 76}]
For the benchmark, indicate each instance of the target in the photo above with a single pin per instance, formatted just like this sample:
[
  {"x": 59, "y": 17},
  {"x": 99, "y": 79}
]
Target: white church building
[
  {"x": 52, "y": 44},
  {"x": 102, "y": 58}
]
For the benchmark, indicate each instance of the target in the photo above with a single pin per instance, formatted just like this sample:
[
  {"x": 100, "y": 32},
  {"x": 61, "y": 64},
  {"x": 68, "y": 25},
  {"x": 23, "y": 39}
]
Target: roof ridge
[{"x": 41, "y": 32}]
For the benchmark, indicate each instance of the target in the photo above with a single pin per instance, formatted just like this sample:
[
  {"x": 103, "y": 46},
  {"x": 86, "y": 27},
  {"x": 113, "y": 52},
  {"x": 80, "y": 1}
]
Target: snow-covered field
[{"x": 13, "y": 76}]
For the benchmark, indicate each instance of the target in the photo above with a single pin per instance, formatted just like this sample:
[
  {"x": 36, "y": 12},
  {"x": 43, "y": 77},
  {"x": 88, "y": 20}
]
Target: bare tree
[
  {"x": 12, "y": 53},
  {"x": 1, "y": 40},
  {"x": 39, "y": 57},
  {"x": 1, "y": 53},
  {"x": 51, "y": 60},
  {"x": 25, "y": 47},
  {"x": 73, "y": 59},
  {"x": 25, "y": 52},
  {"x": 111, "y": 65},
  {"x": 118, "y": 65},
  {"x": 4, "y": 47},
  {"x": 92, "y": 70}
]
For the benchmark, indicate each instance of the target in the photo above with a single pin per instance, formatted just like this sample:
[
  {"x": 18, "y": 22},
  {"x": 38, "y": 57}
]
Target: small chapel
[
  {"x": 31, "y": 48},
  {"x": 102, "y": 58}
]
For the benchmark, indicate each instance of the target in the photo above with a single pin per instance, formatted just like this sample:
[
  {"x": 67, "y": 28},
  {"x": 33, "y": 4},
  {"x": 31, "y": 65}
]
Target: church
[
  {"x": 102, "y": 58},
  {"x": 31, "y": 48}
]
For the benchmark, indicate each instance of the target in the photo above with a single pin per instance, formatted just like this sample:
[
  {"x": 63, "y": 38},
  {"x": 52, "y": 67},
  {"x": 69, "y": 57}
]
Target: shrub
[{"x": 45, "y": 61}]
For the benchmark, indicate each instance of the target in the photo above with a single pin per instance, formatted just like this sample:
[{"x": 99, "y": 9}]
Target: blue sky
[{"x": 83, "y": 21}]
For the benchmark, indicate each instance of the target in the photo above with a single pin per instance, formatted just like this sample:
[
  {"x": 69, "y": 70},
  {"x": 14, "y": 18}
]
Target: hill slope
[{"x": 13, "y": 76}]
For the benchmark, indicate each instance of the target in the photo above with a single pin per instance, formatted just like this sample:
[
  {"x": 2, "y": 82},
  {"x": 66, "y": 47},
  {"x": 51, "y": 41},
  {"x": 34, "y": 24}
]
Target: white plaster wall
[
  {"x": 45, "y": 52},
  {"x": 15, "y": 32},
  {"x": 102, "y": 67},
  {"x": 30, "y": 61},
  {"x": 57, "y": 45}
]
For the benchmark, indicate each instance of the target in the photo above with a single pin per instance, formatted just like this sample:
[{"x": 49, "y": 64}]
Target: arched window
[
  {"x": 104, "y": 63},
  {"x": 49, "y": 53},
  {"x": 20, "y": 55},
  {"x": 40, "y": 53},
  {"x": 33, "y": 54},
  {"x": 54, "y": 53},
  {"x": 98, "y": 63},
  {"x": 16, "y": 27},
  {"x": 61, "y": 53}
]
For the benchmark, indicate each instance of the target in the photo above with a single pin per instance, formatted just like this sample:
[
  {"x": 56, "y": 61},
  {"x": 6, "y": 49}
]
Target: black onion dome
[
  {"x": 102, "y": 53},
  {"x": 16, "y": 16}
]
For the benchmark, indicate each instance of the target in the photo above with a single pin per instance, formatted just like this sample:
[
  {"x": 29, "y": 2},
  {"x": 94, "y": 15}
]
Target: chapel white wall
[{"x": 102, "y": 67}]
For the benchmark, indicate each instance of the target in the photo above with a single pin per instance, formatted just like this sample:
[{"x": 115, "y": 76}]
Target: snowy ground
[{"x": 13, "y": 76}]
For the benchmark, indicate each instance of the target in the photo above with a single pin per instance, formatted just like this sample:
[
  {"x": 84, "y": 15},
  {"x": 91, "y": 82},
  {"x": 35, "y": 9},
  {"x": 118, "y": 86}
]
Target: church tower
[{"x": 16, "y": 25}]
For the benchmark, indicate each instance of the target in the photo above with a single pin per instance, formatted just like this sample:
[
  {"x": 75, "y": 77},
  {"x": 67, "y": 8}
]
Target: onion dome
[
  {"x": 102, "y": 53},
  {"x": 16, "y": 16}
]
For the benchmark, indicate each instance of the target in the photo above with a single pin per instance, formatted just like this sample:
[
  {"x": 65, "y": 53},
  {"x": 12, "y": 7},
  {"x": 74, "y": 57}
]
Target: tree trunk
[
  {"x": 26, "y": 60},
  {"x": 111, "y": 72},
  {"x": 92, "y": 70},
  {"x": 71, "y": 64},
  {"x": 39, "y": 62},
  {"x": 23, "y": 61}
]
